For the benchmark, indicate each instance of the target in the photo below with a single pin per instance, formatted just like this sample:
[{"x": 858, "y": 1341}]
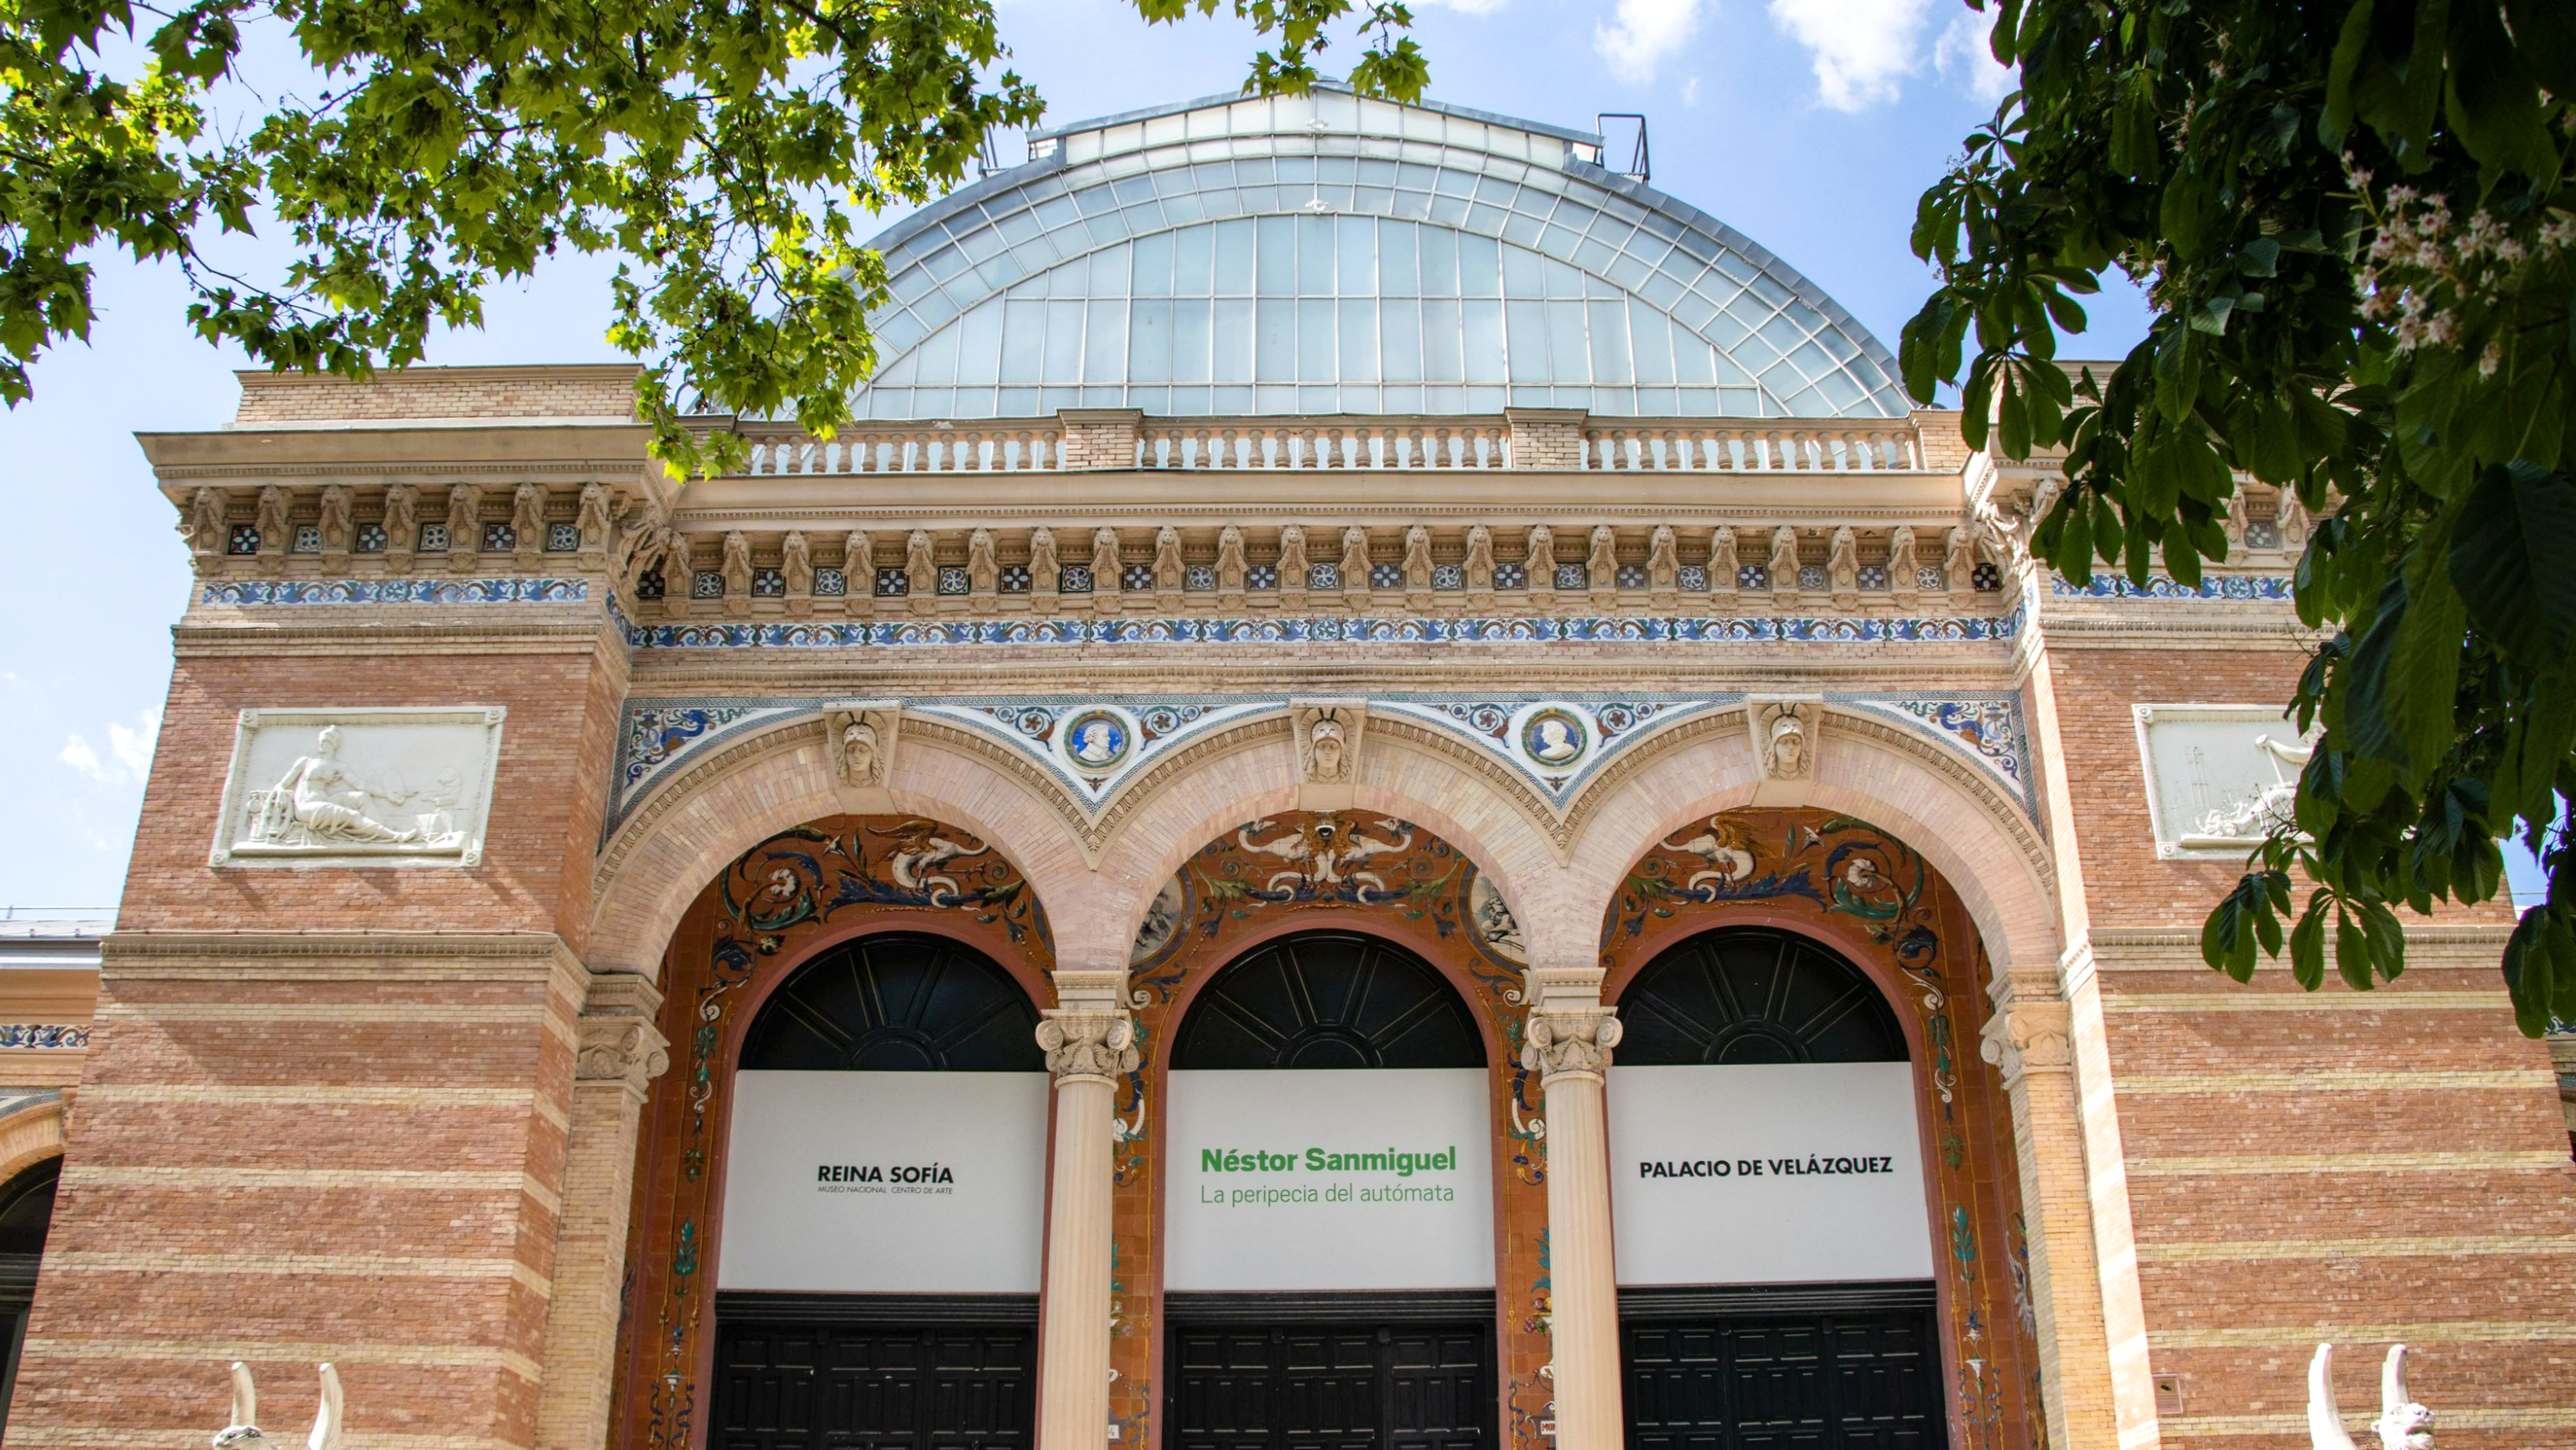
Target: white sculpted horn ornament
[
  {"x": 244, "y": 1432},
  {"x": 2402, "y": 1423}
]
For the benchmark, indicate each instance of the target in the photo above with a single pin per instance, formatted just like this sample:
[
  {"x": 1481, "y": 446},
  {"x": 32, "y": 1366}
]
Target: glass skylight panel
[{"x": 1363, "y": 308}]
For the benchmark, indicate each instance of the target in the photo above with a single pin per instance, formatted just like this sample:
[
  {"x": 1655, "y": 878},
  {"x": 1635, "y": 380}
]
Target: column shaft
[
  {"x": 1584, "y": 1297},
  {"x": 1567, "y": 1041},
  {"x": 1087, "y": 1046}
]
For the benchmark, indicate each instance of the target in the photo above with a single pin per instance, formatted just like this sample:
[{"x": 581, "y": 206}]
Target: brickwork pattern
[
  {"x": 288, "y": 1155},
  {"x": 604, "y": 391}
]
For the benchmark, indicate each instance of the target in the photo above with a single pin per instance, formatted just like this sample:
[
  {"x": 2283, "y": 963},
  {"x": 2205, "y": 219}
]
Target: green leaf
[
  {"x": 2308, "y": 946},
  {"x": 2352, "y": 45},
  {"x": 2513, "y": 560},
  {"x": 2491, "y": 102},
  {"x": 2529, "y": 967},
  {"x": 2352, "y": 952},
  {"x": 2544, "y": 31}
]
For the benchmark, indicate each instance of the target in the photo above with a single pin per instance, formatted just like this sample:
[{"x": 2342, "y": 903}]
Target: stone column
[
  {"x": 2027, "y": 1038},
  {"x": 1568, "y": 1042},
  {"x": 1089, "y": 1040},
  {"x": 619, "y": 1053}
]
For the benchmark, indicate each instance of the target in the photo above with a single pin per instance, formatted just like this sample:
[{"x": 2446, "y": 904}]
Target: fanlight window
[
  {"x": 1328, "y": 1000},
  {"x": 1747, "y": 995},
  {"x": 896, "y": 1003}
]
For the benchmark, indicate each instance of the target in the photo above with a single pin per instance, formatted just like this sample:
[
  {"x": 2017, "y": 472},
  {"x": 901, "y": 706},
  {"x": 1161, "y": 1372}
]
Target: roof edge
[{"x": 1228, "y": 98}]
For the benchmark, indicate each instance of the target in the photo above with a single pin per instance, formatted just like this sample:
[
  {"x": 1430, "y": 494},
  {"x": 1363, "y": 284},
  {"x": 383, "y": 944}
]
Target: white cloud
[
  {"x": 132, "y": 747},
  {"x": 1690, "y": 91},
  {"x": 1863, "y": 48},
  {"x": 1466, "y": 7},
  {"x": 129, "y": 749},
  {"x": 1966, "y": 54},
  {"x": 1644, "y": 32},
  {"x": 78, "y": 755}
]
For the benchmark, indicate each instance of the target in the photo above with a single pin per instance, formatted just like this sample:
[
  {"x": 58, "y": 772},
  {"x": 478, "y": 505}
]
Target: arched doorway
[
  {"x": 883, "y": 1205},
  {"x": 26, "y": 1213},
  {"x": 1773, "y": 1234},
  {"x": 1329, "y": 1273}
]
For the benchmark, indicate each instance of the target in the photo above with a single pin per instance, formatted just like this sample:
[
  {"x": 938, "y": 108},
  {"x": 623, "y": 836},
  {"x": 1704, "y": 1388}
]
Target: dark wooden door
[
  {"x": 821, "y": 1386},
  {"x": 1330, "y": 1387},
  {"x": 1846, "y": 1380}
]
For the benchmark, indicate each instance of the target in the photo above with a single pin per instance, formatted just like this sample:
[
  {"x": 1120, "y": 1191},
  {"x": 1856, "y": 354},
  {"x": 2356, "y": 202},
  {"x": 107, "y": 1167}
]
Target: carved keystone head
[
  {"x": 1328, "y": 751},
  {"x": 1784, "y": 735},
  {"x": 859, "y": 741}
]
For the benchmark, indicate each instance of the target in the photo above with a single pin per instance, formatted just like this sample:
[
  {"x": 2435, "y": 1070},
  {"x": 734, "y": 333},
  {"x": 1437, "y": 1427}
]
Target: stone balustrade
[
  {"x": 1783, "y": 447},
  {"x": 1028, "y": 446},
  {"x": 1314, "y": 443}
]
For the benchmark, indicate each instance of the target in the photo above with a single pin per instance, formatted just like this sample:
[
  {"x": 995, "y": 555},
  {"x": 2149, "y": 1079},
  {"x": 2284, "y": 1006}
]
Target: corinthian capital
[
  {"x": 1569, "y": 1039},
  {"x": 1084, "y": 1043},
  {"x": 2026, "y": 1037}
]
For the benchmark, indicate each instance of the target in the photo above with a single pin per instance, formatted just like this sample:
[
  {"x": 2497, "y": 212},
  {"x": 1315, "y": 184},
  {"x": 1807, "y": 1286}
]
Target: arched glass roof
[{"x": 1328, "y": 254}]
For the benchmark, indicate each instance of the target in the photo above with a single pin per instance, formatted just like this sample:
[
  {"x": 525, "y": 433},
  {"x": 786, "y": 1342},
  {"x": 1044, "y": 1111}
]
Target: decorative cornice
[{"x": 153, "y": 952}]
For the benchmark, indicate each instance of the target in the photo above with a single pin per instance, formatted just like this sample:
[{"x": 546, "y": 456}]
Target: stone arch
[
  {"x": 1471, "y": 800},
  {"x": 733, "y": 943},
  {"x": 1870, "y": 769},
  {"x": 1426, "y": 904},
  {"x": 1908, "y": 930},
  {"x": 30, "y": 1135},
  {"x": 779, "y": 777}
]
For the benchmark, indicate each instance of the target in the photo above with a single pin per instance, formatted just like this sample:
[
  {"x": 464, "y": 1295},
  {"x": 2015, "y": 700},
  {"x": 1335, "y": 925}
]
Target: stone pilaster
[
  {"x": 1567, "y": 1042},
  {"x": 2028, "y": 1038},
  {"x": 617, "y": 1056},
  {"x": 1089, "y": 1041}
]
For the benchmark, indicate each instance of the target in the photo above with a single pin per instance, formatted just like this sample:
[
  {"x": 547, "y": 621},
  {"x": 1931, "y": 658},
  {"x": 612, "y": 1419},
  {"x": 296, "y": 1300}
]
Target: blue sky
[{"x": 1810, "y": 125}]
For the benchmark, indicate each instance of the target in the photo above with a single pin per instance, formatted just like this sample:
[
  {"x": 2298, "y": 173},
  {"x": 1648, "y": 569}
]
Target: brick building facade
[{"x": 1224, "y": 569}]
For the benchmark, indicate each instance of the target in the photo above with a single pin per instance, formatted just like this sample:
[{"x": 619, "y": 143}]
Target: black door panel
[
  {"x": 823, "y": 1386},
  {"x": 1330, "y": 1387},
  {"x": 1858, "y": 1379}
]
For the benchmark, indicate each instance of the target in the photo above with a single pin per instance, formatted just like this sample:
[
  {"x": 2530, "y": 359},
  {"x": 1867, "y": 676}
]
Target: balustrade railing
[
  {"x": 965, "y": 448},
  {"x": 1598, "y": 445},
  {"x": 1307, "y": 443},
  {"x": 1786, "y": 447}
]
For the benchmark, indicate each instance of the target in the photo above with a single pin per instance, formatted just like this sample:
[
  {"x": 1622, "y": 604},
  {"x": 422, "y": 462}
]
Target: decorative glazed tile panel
[
  {"x": 42, "y": 1036},
  {"x": 1094, "y": 744},
  {"x": 1043, "y": 633},
  {"x": 371, "y": 538},
  {"x": 2114, "y": 586},
  {"x": 1987, "y": 728},
  {"x": 830, "y": 584},
  {"x": 655, "y": 733},
  {"x": 308, "y": 539},
  {"x": 499, "y": 538},
  {"x": 1556, "y": 744},
  {"x": 563, "y": 538},
  {"x": 395, "y": 591}
]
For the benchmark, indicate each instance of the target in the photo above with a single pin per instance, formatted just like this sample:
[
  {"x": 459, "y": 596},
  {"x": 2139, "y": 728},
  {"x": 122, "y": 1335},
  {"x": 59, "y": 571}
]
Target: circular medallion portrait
[
  {"x": 1095, "y": 740},
  {"x": 1553, "y": 737}
]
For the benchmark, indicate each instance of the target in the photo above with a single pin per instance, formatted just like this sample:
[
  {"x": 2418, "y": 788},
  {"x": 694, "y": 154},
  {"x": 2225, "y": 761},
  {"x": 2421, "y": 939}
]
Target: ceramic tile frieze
[
  {"x": 1093, "y": 745},
  {"x": 1987, "y": 728}
]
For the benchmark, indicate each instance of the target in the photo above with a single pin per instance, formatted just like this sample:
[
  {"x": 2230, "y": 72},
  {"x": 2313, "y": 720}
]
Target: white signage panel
[
  {"x": 1358, "y": 1179},
  {"x": 885, "y": 1182},
  {"x": 1778, "y": 1174}
]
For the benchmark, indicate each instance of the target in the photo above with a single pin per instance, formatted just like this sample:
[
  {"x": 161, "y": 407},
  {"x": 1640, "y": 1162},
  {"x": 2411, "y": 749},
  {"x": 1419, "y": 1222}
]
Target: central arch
[{"x": 1328, "y": 1262}]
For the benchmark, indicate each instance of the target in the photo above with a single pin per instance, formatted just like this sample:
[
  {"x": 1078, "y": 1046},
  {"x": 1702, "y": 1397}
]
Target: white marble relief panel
[
  {"x": 2219, "y": 777},
  {"x": 396, "y": 786}
]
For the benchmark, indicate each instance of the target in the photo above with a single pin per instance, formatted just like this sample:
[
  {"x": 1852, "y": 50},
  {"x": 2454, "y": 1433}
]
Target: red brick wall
[
  {"x": 2336, "y": 1166},
  {"x": 547, "y": 794}
]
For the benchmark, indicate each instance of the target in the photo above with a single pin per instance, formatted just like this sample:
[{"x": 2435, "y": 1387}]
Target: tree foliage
[
  {"x": 2354, "y": 223},
  {"x": 725, "y": 150}
]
